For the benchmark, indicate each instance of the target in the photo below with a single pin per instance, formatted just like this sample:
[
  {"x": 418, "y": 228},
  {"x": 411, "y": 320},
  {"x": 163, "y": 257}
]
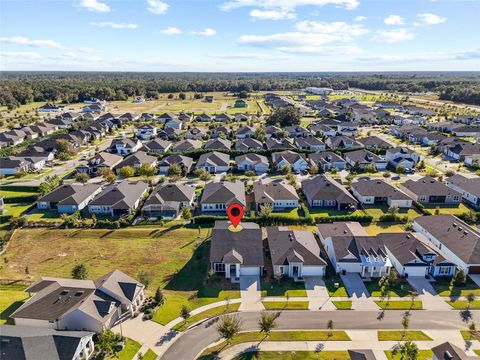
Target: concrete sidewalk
[{"x": 250, "y": 294}]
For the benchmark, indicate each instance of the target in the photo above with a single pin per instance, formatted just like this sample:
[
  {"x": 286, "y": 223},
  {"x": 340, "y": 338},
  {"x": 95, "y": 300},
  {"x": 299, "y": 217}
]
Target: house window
[
  {"x": 219, "y": 267},
  {"x": 280, "y": 268},
  {"x": 423, "y": 197},
  {"x": 443, "y": 270},
  {"x": 456, "y": 198}
]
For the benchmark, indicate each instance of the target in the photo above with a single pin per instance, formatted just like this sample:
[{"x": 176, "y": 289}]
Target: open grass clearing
[
  {"x": 399, "y": 305},
  {"x": 399, "y": 335},
  {"x": 294, "y": 355},
  {"x": 285, "y": 305},
  {"x": 216, "y": 311}
]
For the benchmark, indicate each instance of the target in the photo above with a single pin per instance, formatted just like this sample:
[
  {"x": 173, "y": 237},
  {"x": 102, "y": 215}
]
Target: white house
[
  {"x": 146, "y": 132},
  {"x": 254, "y": 162},
  {"x": 468, "y": 187},
  {"x": 297, "y": 162},
  {"x": 279, "y": 196}
]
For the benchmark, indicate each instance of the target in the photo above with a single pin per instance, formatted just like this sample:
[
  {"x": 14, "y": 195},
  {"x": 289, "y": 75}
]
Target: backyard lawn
[
  {"x": 11, "y": 297},
  {"x": 377, "y": 210},
  {"x": 444, "y": 287},
  {"x": 448, "y": 209},
  {"x": 383, "y": 227}
]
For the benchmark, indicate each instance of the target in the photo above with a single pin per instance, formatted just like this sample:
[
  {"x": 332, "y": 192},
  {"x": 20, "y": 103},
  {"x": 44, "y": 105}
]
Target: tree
[
  {"x": 265, "y": 210},
  {"x": 127, "y": 171},
  {"x": 144, "y": 277},
  {"x": 400, "y": 169},
  {"x": 267, "y": 322},
  {"x": 202, "y": 174},
  {"x": 111, "y": 178},
  {"x": 65, "y": 150},
  {"x": 287, "y": 169},
  {"x": 313, "y": 170},
  {"x": 107, "y": 341},
  {"x": 174, "y": 170},
  {"x": 80, "y": 271},
  {"x": 370, "y": 169},
  {"x": 460, "y": 279},
  {"x": 186, "y": 213},
  {"x": 413, "y": 297},
  {"x": 330, "y": 328},
  {"x": 185, "y": 313},
  {"x": 159, "y": 298},
  {"x": 405, "y": 323},
  {"x": 182, "y": 96},
  {"x": 147, "y": 170},
  {"x": 471, "y": 217},
  {"x": 472, "y": 330},
  {"x": 286, "y": 116},
  {"x": 408, "y": 351},
  {"x": 82, "y": 177},
  {"x": 393, "y": 210},
  {"x": 229, "y": 326},
  {"x": 470, "y": 299}
]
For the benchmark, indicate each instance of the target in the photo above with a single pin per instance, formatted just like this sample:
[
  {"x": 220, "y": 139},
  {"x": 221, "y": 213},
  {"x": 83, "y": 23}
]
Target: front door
[
  {"x": 233, "y": 270},
  {"x": 294, "y": 271}
]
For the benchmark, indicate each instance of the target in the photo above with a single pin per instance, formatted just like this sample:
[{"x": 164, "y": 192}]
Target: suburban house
[
  {"x": 146, "y": 132},
  {"x": 279, "y": 196},
  {"x": 136, "y": 160},
  {"x": 157, "y": 146},
  {"x": 280, "y": 144},
  {"x": 310, "y": 143},
  {"x": 254, "y": 162},
  {"x": 376, "y": 191},
  {"x": 297, "y": 131},
  {"x": 294, "y": 253},
  {"x": 88, "y": 305},
  {"x": 167, "y": 201},
  {"x": 187, "y": 145},
  {"x": 244, "y": 132},
  {"x": 241, "y": 117},
  {"x": 343, "y": 228},
  {"x": 324, "y": 192},
  {"x": 461, "y": 149},
  {"x": 223, "y": 118},
  {"x": 468, "y": 187},
  {"x": 184, "y": 162},
  {"x": 214, "y": 162},
  {"x": 429, "y": 190},
  {"x": 374, "y": 143},
  {"x": 240, "y": 103},
  {"x": 119, "y": 199},
  {"x": 13, "y": 165},
  {"x": 236, "y": 253},
  {"x": 126, "y": 146},
  {"x": 343, "y": 143},
  {"x": 218, "y": 196},
  {"x": 327, "y": 160},
  {"x": 412, "y": 255},
  {"x": 454, "y": 239},
  {"x": 467, "y": 131},
  {"x": 102, "y": 160},
  {"x": 166, "y": 117},
  {"x": 128, "y": 117},
  {"x": 69, "y": 198},
  {"x": 272, "y": 131},
  {"x": 221, "y": 131},
  {"x": 248, "y": 144},
  {"x": 363, "y": 158},
  {"x": 204, "y": 118},
  {"x": 448, "y": 351},
  {"x": 196, "y": 133},
  {"x": 33, "y": 343},
  {"x": 218, "y": 144},
  {"x": 322, "y": 130},
  {"x": 168, "y": 133},
  {"x": 472, "y": 160},
  {"x": 297, "y": 162},
  {"x": 402, "y": 156},
  {"x": 48, "y": 107},
  {"x": 176, "y": 124}
]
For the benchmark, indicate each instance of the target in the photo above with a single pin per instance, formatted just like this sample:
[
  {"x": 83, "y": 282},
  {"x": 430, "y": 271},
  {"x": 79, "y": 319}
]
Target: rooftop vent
[
  {"x": 447, "y": 355},
  {"x": 64, "y": 292},
  {"x": 78, "y": 293},
  {"x": 454, "y": 224}
]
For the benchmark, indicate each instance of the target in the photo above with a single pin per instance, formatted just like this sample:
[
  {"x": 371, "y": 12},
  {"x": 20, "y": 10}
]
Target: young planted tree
[
  {"x": 472, "y": 330},
  {"x": 470, "y": 299},
  {"x": 107, "y": 342},
  {"x": 82, "y": 177},
  {"x": 229, "y": 326},
  {"x": 147, "y": 171},
  {"x": 413, "y": 298},
  {"x": 186, "y": 213},
  {"x": 460, "y": 278},
  {"x": 159, "y": 297},
  {"x": 405, "y": 323},
  {"x": 185, "y": 313},
  {"x": 267, "y": 322},
  {"x": 144, "y": 277},
  {"x": 265, "y": 210},
  {"x": 127, "y": 171},
  {"x": 80, "y": 271},
  {"x": 330, "y": 328}
]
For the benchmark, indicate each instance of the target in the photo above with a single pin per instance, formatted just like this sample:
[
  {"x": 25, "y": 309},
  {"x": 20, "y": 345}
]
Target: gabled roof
[
  {"x": 248, "y": 143},
  {"x": 176, "y": 159},
  {"x": 325, "y": 157},
  {"x": 287, "y": 156},
  {"x": 378, "y": 188},
  {"x": 187, "y": 145},
  {"x": 323, "y": 187},
  {"x": 447, "y": 351},
  {"x": 273, "y": 191},
  {"x": 471, "y": 185},
  {"x": 218, "y": 144},
  {"x": 341, "y": 228},
  {"x": 170, "y": 193},
  {"x": 123, "y": 287},
  {"x": 374, "y": 141},
  {"x": 363, "y": 156},
  {"x": 224, "y": 192},
  {"x": 136, "y": 159},
  {"x": 70, "y": 194},
  {"x": 121, "y": 196},
  {"x": 213, "y": 158},
  {"x": 106, "y": 159},
  {"x": 429, "y": 186},
  {"x": 252, "y": 157}
]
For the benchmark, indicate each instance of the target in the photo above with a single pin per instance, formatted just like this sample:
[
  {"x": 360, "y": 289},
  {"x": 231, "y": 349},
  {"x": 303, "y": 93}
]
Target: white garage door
[
  {"x": 249, "y": 270},
  {"x": 313, "y": 270},
  {"x": 415, "y": 270}
]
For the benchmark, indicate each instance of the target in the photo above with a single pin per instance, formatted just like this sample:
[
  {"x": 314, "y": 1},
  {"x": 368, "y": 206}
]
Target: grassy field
[
  {"x": 11, "y": 297},
  {"x": 343, "y": 305},
  {"x": 422, "y": 355},
  {"x": 448, "y": 209},
  {"x": 128, "y": 352},
  {"x": 401, "y": 288},
  {"x": 444, "y": 287},
  {"x": 463, "y": 304},
  {"x": 399, "y": 305},
  {"x": 284, "y": 305},
  {"x": 286, "y": 287},
  {"x": 294, "y": 355},
  {"x": 336, "y": 292},
  {"x": 216, "y": 311},
  {"x": 377, "y": 211},
  {"x": 377, "y": 228},
  {"x": 149, "y": 355},
  {"x": 411, "y": 335}
]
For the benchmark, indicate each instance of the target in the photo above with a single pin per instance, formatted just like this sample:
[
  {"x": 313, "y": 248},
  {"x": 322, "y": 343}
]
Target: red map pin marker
[{"x": 235, "y": 214}]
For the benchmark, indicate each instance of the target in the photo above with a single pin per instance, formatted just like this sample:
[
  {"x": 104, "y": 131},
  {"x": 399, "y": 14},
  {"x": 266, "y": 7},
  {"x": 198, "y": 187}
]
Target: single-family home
[
  {"x": 448, "y": 351},
  {"x": 322, "y": 130},
  {"x": 88, "y": 305},
  {"x": 453, "y": 238},
  {"x": 214, "y": 162},
  {"x": 277, "y": 195},
  {"x": 294, "y": 253},
  {"x": 377, "y": 191},
  {"x": 196, "y": 133},
  {"x": 136, "y": 160},
  {"x": 253, "y": 162},
  {"x": 13, "y": 165},
  {"x": 236, "y": 253},
  {"x": 310, "y": 143},
  {"x": 146, "y": 132},
  {"x": 128, "y": 116},
  {"x": 218, "y": 144},
  {"x": 402, "y": 156},
  {"x": 119, "y": 199},
  {"x": 280, "y": 144},
  {"x": 248, "y": 144},
  {"x": 184, "y": 162},
  {"x": 48, "y": 107},
  {"x": 204, "y": 118},
  {"x": 157, "y": 146},
  {"x": 374, "y": 143},
  {"x": 223, "y": 118},
  {"x": 187, "y": 145},
  {"x": 342, "y": 143},
  {"x": 272, "y": 131},
  {"x": 125, "y": 146},
  {"x": 297, "y": 162},
  {"x": 460, "y": 150},
  {"x": 468, "y": 187},
  {"x": 218, "y": 196},
  {"x": 221, "y": 132},
  {"x": 244, "y": 132},
  {"x": 176, "y": 124},
  {"x": 167, "y": 201},
  {"x": 101, "y": 160},
  {"x": 69, "y": 198},
  {"x": 343, "y": 228},
  {"x": 241, "y": 117},
  {"x": 429, "y": 190},
  {"x": 297, "y": 131},
  {"x": 166, "y": 117},
  {"x": 363, "y": 158},
  {"x": 327, "y": 160},
  {"x": 324, "y": 192}
]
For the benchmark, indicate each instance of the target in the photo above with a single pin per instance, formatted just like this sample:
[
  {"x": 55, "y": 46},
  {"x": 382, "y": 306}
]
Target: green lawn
[
  {"x": 399, "y": 305},
  {"x": 325, "y": 212},
  {"x": 11, "y": 297},
  {"x": 477, "y": 352},
  {"x": 284, "y": 287},
  {"x": 401, "y": 288},
  {"x": 383, "y": 227},
  {"x": 463, "y": 304},
  {"x": 243, "y": 337},
  {"x": 422, "y": 355},
  {"x": 216, "y": 311},
  {"x": 444, "y": 287},
  {"x": 448, "y": 209},
  {"x": 292, "y": 213},
  {"x": 294, "y": 355},
  {"x": 149, "y": 355},
  {"x": 284, "y": 305},
  {"x": 130, "y": 349},
  {"x": 466, "y": 335},
  {"x": 337, "y": 292},
  {"x": 16, "y": 209},
  {"x": 44, "y": 215},
  {"x": 402, "y": 336},
  {"x": 343, "y": 305},
  {"x": 377, "y": 210}
]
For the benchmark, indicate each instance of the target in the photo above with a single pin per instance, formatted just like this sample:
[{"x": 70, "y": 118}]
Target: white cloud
[
  {"x": 20, "y": 40},
  {"x": 425, "y": 57},
  {"x": 94, "y": 6},
  {"x": 205, "y": 32},
  {"x": 114, "y": 25},
  {"x": 272, "y": 14},
  {"x": 252, "y": 56},
  {"x": 20, "y": 55},
  {"x": 346, "y": 31},
  {"x": 360, "y": 18},
  {"x": 87, "y": 50},
  {"x": 157, "y": 6},
  {"x": 393, "y": 36},
  {"x": 171, "y": 31},
  {"x": 431, "y": 19},
  {"x": 394, "y": 20}
]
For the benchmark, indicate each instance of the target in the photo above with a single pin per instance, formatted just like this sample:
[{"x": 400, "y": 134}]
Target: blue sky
[{"x": 239, "y": 35}]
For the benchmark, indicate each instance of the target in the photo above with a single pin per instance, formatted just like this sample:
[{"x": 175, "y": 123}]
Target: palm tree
[
  {"x": 267, "y": 322},
  {"x": 229, "y": 326},
  {"x": 408, "y": 351},
  {"x": 330, "y": 328},
  {"x": 470, "y": 299}
]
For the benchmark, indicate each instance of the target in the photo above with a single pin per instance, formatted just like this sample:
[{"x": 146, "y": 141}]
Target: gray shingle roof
[
  {"x": 70, "y": 194},
  {"x": 273, "y": 191},
  {"x": 429, "y": 186},
  {"x": 378, "y": 188},
  {"x": 323, "y": 187},
  {"x": 120, "y": 196},
  {"x": 224, "y": 192}
]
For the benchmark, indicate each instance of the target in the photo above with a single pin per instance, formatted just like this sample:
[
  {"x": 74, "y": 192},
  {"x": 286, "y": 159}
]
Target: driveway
[
  {"x": 475, "y": 278},
  {"x": 355, "y": 286},
  {"x": 428, "y": 295},
  {"x": 317, "y": 293},
  {"x": 250, "y": 293}
]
